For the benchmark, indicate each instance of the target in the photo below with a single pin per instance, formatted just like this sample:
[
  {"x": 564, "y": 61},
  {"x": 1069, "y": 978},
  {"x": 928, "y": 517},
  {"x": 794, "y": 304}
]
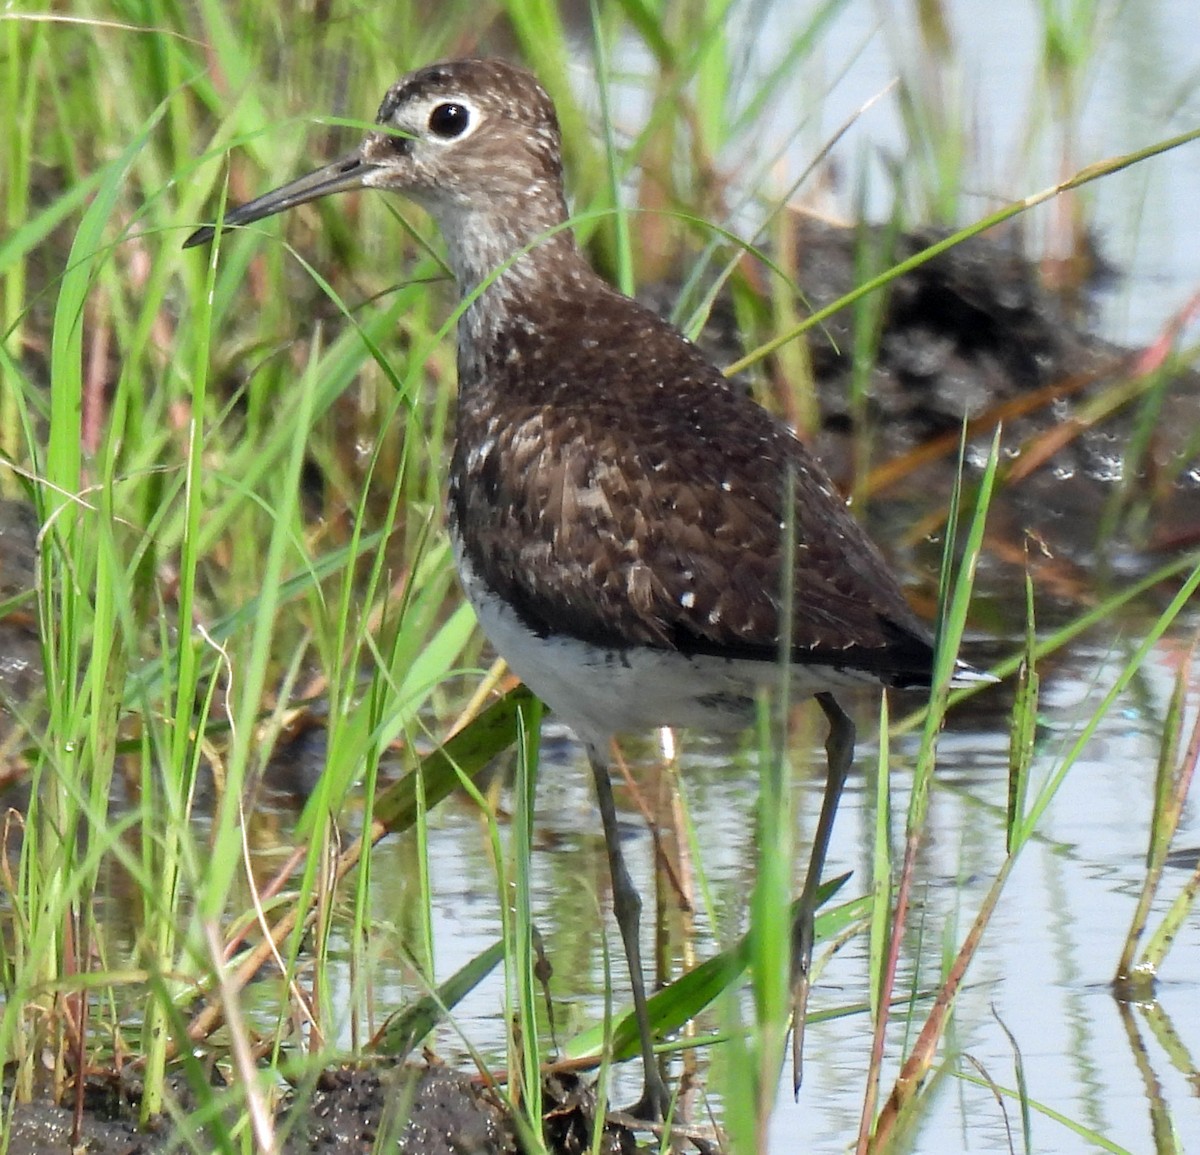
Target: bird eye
[{"x": 449, "y": 120}]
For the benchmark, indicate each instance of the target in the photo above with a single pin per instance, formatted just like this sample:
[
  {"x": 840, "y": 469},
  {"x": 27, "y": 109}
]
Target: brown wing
[{"x": 598, "y": 513}]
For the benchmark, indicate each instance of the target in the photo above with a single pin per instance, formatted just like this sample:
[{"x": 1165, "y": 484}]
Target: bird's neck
[{"x": 504, "y": 262}]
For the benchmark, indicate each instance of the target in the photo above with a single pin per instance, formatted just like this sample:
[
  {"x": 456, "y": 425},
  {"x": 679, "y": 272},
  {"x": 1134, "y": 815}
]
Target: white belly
[{"x": 600, "y": 692}]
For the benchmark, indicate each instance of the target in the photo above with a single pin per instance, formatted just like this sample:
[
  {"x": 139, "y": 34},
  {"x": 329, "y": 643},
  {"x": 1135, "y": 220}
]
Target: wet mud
[{"x": 349, "y": 1110}]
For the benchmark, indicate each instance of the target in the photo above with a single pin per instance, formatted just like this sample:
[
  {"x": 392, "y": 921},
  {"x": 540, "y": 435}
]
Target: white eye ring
[{"x": 451, "y": 120}]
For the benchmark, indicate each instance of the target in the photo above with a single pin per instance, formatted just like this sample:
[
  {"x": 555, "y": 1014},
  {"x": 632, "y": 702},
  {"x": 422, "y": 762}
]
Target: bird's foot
[{"x": 655, "y": 1104}]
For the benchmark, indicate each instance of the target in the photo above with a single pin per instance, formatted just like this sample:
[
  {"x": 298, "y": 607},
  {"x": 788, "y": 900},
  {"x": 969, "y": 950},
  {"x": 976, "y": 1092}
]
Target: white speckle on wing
[
  {"x": 480, "y": 453},
  {"x": 528, "y": 435},
  {"x": 591, "y": 498},
  {"x": 687, "y": 600}
]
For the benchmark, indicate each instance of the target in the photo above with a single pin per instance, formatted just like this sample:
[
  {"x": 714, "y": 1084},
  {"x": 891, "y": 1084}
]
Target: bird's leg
[
  {"x": 839, "y": 751},
  {"x": 627, "y": 907}
]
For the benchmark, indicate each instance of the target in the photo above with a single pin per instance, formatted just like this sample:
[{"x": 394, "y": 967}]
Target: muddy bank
[
  {"x": 1100, "y": 454},
  {"x": 349, "y": 1110}
]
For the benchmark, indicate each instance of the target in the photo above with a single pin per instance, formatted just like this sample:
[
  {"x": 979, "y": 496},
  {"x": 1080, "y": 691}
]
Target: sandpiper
[{"x": 624, "y": 519}]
